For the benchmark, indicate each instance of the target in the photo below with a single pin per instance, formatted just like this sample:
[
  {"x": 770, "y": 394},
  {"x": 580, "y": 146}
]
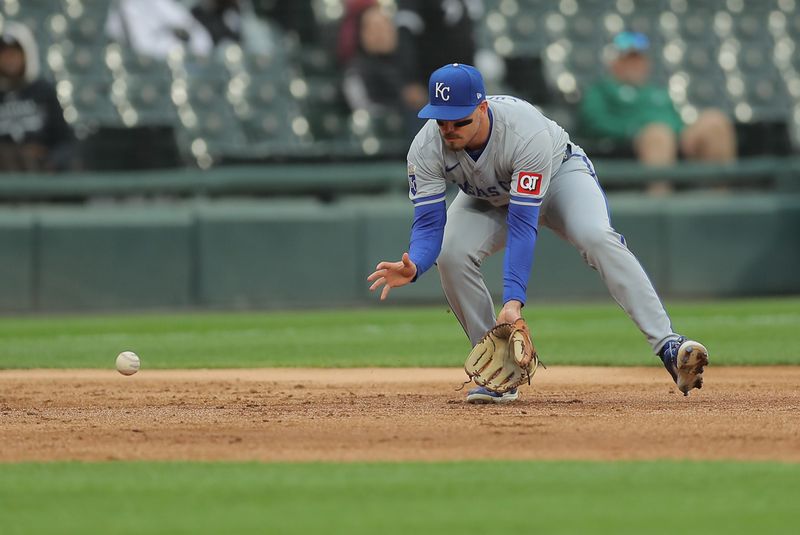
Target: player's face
[{"x": 457, "y": 135}]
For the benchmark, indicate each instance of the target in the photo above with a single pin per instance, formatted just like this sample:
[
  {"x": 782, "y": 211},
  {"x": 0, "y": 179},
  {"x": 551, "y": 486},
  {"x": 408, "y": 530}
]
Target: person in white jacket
[{"x": 156, "y": 27}]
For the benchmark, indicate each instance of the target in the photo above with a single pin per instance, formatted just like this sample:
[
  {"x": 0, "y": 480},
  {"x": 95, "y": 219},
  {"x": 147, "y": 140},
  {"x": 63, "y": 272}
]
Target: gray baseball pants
[{"x": 575, "y": 209}]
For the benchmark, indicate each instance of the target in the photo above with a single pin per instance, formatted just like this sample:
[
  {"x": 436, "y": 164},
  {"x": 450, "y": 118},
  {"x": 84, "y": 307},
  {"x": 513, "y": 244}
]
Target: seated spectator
[
  {"x": 432, "y": 33},
  {"x": 156, "y": 27},
  {"x": 33, "y": 133},
  {"x": 293, "y": 16},
  {"x": 222, "y": 19},
  {"x": 348, "y": 37},
  {"x": 234, "y": 21},
  {"x": 373, "y": 78},
  {"x": 641, "y": 118}
]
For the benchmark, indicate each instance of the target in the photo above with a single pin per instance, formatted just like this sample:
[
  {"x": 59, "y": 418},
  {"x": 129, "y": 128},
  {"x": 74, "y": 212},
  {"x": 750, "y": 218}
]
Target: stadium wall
[{"x": 298, "y": 252}]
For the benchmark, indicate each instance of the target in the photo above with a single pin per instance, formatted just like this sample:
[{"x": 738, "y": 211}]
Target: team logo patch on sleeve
[
  {"x": 412, "y": 178},
  {"x": 529, "y": 183}
]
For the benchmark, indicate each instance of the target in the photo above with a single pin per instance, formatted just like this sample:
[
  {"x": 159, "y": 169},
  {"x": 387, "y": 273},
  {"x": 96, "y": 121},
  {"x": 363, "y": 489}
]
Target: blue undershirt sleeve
[
  {"x": 427, "y": 233},
  {"x": 521, "y": 239}
]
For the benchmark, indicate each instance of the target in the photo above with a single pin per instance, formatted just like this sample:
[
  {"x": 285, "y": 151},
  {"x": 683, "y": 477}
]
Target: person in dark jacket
[
  {"x": 221, "y": 18},
  {"x": 33, "y": 133},
  {"x": 430, "y": 34},
  {"x": 235, "y": 21},
  {"x": 373, "y": 78}
]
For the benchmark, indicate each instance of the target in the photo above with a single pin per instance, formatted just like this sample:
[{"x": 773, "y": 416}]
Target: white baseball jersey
[{"x": 516, "y": 165}]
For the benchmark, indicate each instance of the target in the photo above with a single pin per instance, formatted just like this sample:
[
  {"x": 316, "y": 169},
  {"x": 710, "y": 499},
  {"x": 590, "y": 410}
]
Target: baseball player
[{"x": 516, "y": 169}]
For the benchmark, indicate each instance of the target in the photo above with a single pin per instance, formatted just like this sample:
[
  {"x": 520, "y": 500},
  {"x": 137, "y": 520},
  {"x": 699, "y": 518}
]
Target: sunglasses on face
[{"x": 457, "y": 124}]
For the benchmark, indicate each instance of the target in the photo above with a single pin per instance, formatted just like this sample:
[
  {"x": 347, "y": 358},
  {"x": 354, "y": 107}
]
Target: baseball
[{"x": 128, "y": 363}]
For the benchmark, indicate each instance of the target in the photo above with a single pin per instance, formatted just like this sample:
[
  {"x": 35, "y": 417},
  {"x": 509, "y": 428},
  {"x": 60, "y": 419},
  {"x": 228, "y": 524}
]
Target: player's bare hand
[
  {"x": 511, "y": 312},
  {"x": 392, "y": 274}
]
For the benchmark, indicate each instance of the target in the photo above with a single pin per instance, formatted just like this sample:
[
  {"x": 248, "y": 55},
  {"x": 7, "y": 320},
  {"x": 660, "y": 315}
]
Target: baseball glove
[{"x": 504, "y": 358}]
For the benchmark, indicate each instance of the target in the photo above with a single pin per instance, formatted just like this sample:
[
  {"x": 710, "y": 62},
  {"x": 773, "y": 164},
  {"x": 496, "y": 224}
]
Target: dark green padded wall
[
  {"x": 287, "y": 253},
  {"x": 788, "y": 240},
  {"x": 277, "y": 254},
  {"x": 114, "y": 258},
  {"x": 386, "y": 227},
  {"x": 723, "y": 246},
  {"x": 17, "y": 238}
]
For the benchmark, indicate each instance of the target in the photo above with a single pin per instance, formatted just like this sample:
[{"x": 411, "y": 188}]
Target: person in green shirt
[{"x": 641, "y": 117}]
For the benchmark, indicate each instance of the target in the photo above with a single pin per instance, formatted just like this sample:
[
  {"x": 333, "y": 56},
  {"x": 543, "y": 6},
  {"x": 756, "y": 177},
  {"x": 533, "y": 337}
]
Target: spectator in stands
[
  {"x": 373, "y": 78},
  {"x": 156, "y": 27},
  {"x": 431, "y": 34},
  {"x": 234, "y": 21},
  {"x": 349, "y": 35},
  {"x": 641, "y": 118},
  {"x": 222, "y": 19},
  {"x": 295, "y": 17},
  {"x": 33, "y": 133}
]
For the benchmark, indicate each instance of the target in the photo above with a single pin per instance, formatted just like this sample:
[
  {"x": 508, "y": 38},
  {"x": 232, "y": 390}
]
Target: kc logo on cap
[
  {"x": 442, "y": 91},
  {"x": 454, "y": 91}
]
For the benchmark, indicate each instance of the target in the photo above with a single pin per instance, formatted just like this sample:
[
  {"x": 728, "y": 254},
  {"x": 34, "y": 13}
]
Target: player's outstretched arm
[{"x": 392, "y": 274}]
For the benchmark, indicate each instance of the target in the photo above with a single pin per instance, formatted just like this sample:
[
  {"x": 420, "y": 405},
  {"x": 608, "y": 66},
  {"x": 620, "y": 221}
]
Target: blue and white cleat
[
  {"x": 483, "y": 395},
  {"x": 685, "y": 360}
]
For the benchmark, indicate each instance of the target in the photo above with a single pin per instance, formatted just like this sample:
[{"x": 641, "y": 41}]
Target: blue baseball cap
[
  {"x": 628, "y": 42},
  {"x": 454, "y": 91}
]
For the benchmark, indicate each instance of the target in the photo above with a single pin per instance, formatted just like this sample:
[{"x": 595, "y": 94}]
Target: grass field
[
  {"x": 756, "y": 332},
  {"x": 526, "y": 497},
  {"x": 538, "y": 497}
]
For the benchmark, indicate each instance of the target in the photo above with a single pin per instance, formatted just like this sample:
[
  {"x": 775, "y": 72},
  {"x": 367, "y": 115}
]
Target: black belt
[{"x": 567, "y": 153}]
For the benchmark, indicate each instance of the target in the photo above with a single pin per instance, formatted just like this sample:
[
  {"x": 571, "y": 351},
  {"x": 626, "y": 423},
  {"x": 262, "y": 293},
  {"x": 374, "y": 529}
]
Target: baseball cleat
[
  {"x": 482, "y": 395},
  {"x": 685, "y": 360}
]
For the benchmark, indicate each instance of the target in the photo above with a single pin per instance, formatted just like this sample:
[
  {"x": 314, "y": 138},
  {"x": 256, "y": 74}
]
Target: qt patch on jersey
[{"x": 529, "y": 183}]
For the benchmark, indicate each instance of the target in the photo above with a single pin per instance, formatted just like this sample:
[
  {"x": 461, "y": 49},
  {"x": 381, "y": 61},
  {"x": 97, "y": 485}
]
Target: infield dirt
[{"x": 394, "y": 414}]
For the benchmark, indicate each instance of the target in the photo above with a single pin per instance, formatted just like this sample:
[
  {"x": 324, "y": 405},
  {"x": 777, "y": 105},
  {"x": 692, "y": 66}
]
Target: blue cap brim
[{"x": 445, "y": 113}]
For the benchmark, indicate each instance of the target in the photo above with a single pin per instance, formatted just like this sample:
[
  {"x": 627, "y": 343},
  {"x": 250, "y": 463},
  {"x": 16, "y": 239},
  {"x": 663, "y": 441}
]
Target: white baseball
[{"x": 128, "y": 363}]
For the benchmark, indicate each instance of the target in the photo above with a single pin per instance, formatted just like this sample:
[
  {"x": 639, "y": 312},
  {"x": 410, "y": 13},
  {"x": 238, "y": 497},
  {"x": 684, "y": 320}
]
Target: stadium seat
[
  {"x": 204, "y": 85},
  {"x": 584, "y": 28},
  {"x": 273, "y": 65},
  {"x": 267, "y": 93},
  {"x": 704, "y": 92},
  {"x": 700, "y": 61},
  {"x": 90, "y": 96},
  {"x": 141, "y": 87},
  {"x": 320, "y": 101},
  {"x": 121, "y": 60},
  {"x": 793, "y": 24},
  {"x": 207, "y": 129},
  {"x": 145, "y": 98},
  {"x": 207, "y": 135},
  {"x": 378, "y": 133},
  {"x": 67, "y": 59},
  {"x": 81, "y": 26},
  {"x": 271, "y": 135},
  {"x": 767, "y": 98},
  {"x": 32, "y": 13},
  {"x": 750, "y": 27}
]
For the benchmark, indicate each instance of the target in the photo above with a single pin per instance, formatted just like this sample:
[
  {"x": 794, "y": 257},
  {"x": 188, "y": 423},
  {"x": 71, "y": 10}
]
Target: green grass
[
  {"x": 756, "y": 331},
  {"x": 499, "y": 497}
]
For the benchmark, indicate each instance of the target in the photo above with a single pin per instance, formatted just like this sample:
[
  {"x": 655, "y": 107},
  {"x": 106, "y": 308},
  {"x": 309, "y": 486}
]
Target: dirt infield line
[{"x": 394, "y": 414}]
